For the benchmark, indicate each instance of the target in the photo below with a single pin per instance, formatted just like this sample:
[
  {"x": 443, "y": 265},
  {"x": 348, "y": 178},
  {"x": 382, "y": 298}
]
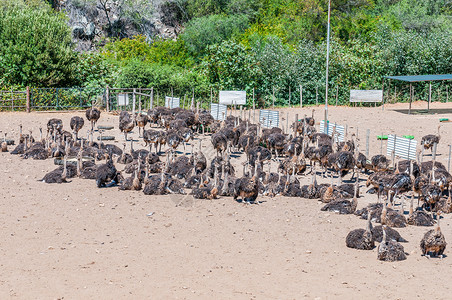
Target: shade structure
[{"x": 421, "y": 78}]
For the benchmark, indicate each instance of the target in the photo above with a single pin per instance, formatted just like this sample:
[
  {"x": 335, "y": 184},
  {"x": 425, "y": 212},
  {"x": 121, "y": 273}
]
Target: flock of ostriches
[{"x": 174, "y": 128}]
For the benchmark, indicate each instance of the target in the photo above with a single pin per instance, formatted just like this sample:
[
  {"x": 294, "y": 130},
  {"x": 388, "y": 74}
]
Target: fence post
[
  {"x": 254, "y": 109},
  {"x": 367, "y": 142},
  {"x": 316, "y": 96},
  {"x": 301, "y": 96},
  {"x": 12, "y": 100},
  {"x": 108, "y": 98},
  {"x": 151, "y": 103},
  {"x": 133, "y": 102},
  {"x": 290, "y": 98},
  {"x": 273, "y": 105},
  {"x": 28, "y": 99}
]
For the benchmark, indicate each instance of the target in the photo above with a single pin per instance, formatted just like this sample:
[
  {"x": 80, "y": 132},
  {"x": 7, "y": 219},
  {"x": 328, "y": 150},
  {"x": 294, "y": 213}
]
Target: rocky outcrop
[{"x": 93, "y": 21}]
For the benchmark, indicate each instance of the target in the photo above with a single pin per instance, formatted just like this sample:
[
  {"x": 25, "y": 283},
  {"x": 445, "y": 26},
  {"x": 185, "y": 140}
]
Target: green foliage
[
  {"x": 125, "y": 49},
  {"x": 205, "y": 31},
  {"x": 35, "y": 46},
  {"x": 94, "y": 71}
]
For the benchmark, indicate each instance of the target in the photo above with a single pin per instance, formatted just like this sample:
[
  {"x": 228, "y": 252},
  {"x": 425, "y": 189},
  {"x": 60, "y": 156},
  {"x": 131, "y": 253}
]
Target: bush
[
  {"x": 35, "y": 46},
  {"x": 205, "y": 31}
]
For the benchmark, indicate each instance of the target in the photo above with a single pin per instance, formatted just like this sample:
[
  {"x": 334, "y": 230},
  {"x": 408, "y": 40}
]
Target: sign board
[
  {"x": 402, "y": 147},
  {"x": 366, "y": 96},
  {"x": 269, "y": 118},
  {"x": 233, "y": 97},
  {"x": 340, "y": 130},
  {"x": 123, "y": 99},
  {"x": 172, "y": 102},
  {"x": 218, "y": 111}
]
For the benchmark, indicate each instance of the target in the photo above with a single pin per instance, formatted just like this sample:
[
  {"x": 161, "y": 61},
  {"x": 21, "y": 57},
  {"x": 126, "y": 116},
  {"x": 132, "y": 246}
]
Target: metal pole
[
  {"x": 133, "y": 102},
  {"x": 290, "y": 96},
  {"x": 381, "y": 144},
  {"x": 337, "y": 93},
  {"x": 383, "y": 96},
  {"x": 447, "y": 93},
  {"x": 434, "y": 151},
  {"x": 429, "y": 95},
  {"x": 327, "y": 64},
  {"x": 287, "y": 122},
  {"x": 316, "y": 96},
  {"x": 151, "y": 104}
]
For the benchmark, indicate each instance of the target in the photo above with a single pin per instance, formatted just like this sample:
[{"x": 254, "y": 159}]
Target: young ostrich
[
  {"x": 434, "y": 243},
  {"x": 76, "y": 124},
  {"x": 141, "y": 121},
  {"x": 390, "y": 250},
  {"x": 58, "y": 175},
  {"x": 419, "y": 217},
  {"x": 429, "y": 140},
  {"x": 392, "y": 218},
  {"x": 361, "y": 238},
  {"x": 219, "y": 142},
  {"x": 106, "y": 173},
  {"x": 92, "y": 114},
  {"x": 4, "y": 147},
  {"x": 343, "y": 206},
  {"x": 248, "y": 188},
  {"x": 126, "y": 124}
]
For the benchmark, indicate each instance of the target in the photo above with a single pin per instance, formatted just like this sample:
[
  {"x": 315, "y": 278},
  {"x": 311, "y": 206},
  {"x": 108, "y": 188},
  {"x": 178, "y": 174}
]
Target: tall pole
[{"x": 327, "y": 63}]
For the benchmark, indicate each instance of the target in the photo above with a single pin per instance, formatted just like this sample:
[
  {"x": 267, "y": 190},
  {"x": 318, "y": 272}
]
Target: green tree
[{"x": 35, "y": 46}]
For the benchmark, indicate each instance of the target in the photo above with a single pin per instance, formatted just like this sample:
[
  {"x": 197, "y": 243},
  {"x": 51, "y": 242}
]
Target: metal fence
[
  {"x": 13, "y": 100},
  {"x": 66, "y": 98}
]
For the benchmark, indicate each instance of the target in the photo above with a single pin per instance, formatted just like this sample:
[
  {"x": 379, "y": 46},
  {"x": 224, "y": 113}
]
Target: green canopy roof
[{"x": 417, "y": 78}]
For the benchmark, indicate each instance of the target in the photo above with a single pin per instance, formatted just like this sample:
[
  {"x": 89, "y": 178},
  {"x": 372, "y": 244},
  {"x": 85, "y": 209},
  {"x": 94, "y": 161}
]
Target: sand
[{"x": 75, "y": 241}]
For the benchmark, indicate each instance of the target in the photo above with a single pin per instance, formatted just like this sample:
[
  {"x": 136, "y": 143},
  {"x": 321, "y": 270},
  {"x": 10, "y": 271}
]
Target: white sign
[
  {"x": 269, "y": 118},
  {"x": 366, "y": 95},
  {"x": 172, "y": 102},
  {"x": 402, "y": 147},
  {"x": 123, "y": 99},
  {"x": 340, "y": 130},
  {"x": 233, "y": 97},
  {"x": 218, "y": 111}
]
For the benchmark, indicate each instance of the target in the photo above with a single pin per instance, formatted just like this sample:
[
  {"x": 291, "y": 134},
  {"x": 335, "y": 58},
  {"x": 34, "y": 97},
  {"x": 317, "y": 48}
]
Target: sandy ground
[{"x": 75, "y": 241}]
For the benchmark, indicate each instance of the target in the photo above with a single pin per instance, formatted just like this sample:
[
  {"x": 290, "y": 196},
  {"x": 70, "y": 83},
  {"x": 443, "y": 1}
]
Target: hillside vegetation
[{"x": 273, "y": 46}]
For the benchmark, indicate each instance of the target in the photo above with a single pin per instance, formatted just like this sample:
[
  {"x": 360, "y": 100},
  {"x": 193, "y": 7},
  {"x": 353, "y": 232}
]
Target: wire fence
[
  {"x": 13, "y": 100},
  {"x": 66, "y": 98}
]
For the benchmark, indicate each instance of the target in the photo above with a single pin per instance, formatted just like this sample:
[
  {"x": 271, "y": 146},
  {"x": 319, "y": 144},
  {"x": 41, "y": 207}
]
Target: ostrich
[
  {"x": 379, "y": 163},
  {"x": 419, "y": 217},
  {"x": 389, "y": 250},
  {"x": 92, "y": 114},
  {"x": 4, "y": 147},
  {"x": 361, "y": 238},
  {"x": 433, "y": 243},
  {"x": 429, "y": 140},
  {"x": 342, "y": 162},
  {"x": 131, "y": 183},
  {"x": 124, "y": 158},
  {"x": 76, "y": 124},
  {"x": 58, "y": 175},
  {"x": 391, "y": 234},
  {"x": 151, "y": 137},
  {"x": 392, "y": 218},
  {"x": 198, "y": 160},
  {"x": 106, "y": 173},
  {"x": 141, "y": 120},
  {"x": 248, "y": 188},
  {"x": 342, "y": 206},
  {"x": 126, "y": 124},
  {"x": 219, "y": 142}
]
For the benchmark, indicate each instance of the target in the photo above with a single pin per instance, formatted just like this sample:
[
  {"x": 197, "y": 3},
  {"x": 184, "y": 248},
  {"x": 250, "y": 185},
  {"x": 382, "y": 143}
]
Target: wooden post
[
  {"x": 273, "y": 105},
  {"x": 337, "y": 93},
  {"x": 381, "y": 144},
  {"x": 290, "y": 98},
  {"x": 211, "y": 97},
  {"x": 151, "y": 102},
  {"x": 367, "y": 142},
  {"x": 316, "y": 96},
  {"x": 192, "y": 106},
  {"x": 447, "y": 93},
  {"x": 12, "y": 99},
  {"x": 287, "y": 122},
  {"x": 139, "y": 102},
  {"x": 411, "y": 98},
  {"x": 28, "y": 99},
  {"x": 429, "y": 95},
  {"x": 254, "y": 109},
  {"x": 157, "y": 103},
  {"x": 448, "y": 160},
  {"x": 301, "y": 96},
  {"x": 133, "y": 102},
  {"x": 395, "y": 94},
  {"x": 383, "y": 97},
  {"x": 295, "y": 129}
]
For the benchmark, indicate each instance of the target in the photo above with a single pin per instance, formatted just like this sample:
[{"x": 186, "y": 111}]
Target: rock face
[{"x": 92, "y": 21}]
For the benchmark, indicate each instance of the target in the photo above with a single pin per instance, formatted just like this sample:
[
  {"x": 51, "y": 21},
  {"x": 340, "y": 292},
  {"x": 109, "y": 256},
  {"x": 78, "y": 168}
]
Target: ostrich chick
[
  {"x": 361, "y": 238},
  {"x": 390, "y": 250},
  {"x": 434, "y": 243}
]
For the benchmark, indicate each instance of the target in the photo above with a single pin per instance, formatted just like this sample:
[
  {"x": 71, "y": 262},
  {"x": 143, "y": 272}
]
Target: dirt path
[{"x": 79, "y": 242}]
